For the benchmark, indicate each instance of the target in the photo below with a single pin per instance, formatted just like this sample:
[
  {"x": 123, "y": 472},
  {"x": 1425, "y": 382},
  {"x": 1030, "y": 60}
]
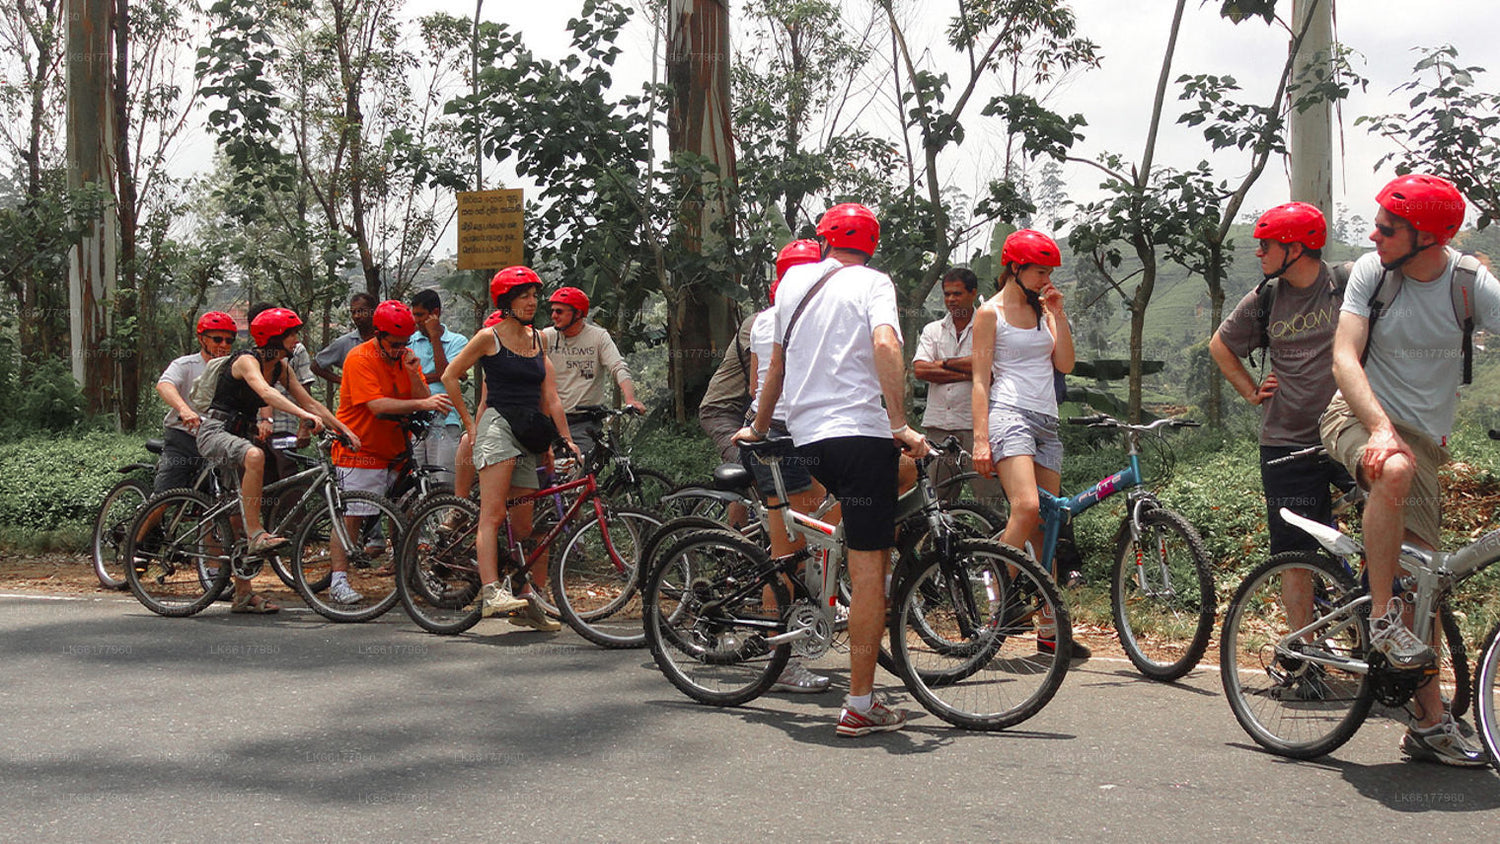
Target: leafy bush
[
  {"x": 48, "y": 399},
  {"x": 50, "y": 483},
  {"x": 685, "y": 453}
]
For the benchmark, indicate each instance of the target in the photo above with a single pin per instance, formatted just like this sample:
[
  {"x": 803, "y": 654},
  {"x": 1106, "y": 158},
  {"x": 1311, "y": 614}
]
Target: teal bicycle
[{"x": 1161, "y": 586}]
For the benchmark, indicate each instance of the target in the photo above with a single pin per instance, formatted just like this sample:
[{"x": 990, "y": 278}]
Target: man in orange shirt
[{"x": 380, "y": 376}]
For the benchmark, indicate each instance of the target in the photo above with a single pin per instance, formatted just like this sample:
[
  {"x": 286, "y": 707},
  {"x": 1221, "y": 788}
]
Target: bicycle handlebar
[{"x": 1101, "y": 420}]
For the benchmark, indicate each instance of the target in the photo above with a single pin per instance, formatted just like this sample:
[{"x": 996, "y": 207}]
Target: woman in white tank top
[{"x": 1020, "y": 337}]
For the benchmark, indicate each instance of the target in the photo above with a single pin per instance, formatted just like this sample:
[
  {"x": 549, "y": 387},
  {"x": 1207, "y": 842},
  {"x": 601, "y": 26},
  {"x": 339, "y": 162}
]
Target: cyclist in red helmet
[
  {"x": 520, "y": 399},
  {"x": 380, "y": 376},
  {"x": 245, "y": 384},
  {"x": 1291, "y": 316},
  {"x": 180, "y": 462},
  {"x": 1021, "y": 337},
  {"x": 580, "y": 353},
  {"x": 1398, "y": 381},
  {"x": 830, "y": 368}
]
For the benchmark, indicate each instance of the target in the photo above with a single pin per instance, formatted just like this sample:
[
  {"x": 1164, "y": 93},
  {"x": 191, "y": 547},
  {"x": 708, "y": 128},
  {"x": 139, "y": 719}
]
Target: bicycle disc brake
[{"x": 805, "y": 616}]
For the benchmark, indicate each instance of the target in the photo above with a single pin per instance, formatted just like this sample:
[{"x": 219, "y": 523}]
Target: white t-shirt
[
  {"x": 949, "y": 406},
  {"x": 831, "y": 388},
  {"x": 762, "y": 339},
  {"x": 1415, "y": 360},
  {"x": 182, "y": 373},
  {"x": 1021, "y": 375}
]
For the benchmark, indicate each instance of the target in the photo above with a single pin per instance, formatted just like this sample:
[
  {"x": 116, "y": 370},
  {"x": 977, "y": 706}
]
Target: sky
[{"x": 1116, "y": 99}]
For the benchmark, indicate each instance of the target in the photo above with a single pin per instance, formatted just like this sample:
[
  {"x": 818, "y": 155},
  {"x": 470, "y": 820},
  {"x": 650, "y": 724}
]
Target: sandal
[
  {"x": 246, "y": 603},
  {"x": 262, "y": 541}
]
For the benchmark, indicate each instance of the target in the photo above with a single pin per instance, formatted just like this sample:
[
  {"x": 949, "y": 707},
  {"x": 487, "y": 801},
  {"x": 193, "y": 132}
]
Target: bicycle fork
[{"x": 1162, "y": 588}]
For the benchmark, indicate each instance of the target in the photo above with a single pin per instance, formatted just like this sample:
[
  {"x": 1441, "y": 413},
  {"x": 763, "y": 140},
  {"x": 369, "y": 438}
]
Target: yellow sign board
[{"x": 490, "y": 225}]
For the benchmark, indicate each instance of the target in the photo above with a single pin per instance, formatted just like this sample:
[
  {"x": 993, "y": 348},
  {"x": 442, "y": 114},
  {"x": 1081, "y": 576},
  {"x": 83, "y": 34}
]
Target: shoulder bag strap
[{"x": 802, "y": 305}]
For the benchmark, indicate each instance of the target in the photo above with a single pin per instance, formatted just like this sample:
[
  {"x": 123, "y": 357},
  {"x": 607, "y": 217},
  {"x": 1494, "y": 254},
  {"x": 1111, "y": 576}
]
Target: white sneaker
[
  {"x": 342, "y": 593},
  {"x": 1402, "y": 649},
  {"x": 796, "y": 679},
  {"x": 1443, "y": 742},
  {"x": 495, "y": 599}
]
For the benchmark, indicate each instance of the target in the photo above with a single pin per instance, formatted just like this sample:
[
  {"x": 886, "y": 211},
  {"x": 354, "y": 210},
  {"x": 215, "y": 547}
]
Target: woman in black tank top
[{"x": 518, "y": 381}]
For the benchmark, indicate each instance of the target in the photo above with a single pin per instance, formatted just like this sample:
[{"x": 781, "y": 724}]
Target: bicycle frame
[{"x": 590, "y": 490}]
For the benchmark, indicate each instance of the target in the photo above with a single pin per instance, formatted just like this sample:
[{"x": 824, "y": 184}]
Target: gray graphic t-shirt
[{"x": 1301, "y": 331}]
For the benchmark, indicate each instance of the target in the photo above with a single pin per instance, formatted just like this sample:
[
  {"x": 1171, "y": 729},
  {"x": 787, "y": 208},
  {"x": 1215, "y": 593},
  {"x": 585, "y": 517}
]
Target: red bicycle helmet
[
  {"x": 1029, "y": 246},
  {"x": 395, "y": 318},
  {"x": 573, "y": 298},
  {"x": 1430, "y": 203},
  {"x": 271, "y": 324},
  {"x": 798, "y": 252},
  {"x": 1294, "y": 222},
  {"x": 850, "y": 225},
  {"x": 494, "y": 318},
  {"x": 511, "y": 278},
  {"x": 217, "y": 321}
]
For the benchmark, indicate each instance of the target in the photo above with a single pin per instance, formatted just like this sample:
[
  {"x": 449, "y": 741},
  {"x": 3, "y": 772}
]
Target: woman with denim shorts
[{"x": 1021, "y": 337}]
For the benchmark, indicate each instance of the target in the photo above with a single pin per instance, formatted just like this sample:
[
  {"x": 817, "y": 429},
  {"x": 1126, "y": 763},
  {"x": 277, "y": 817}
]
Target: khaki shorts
[
  {"x": 218, "y": 446},
  {"x": 496, "y": 444},
  {"x": 1345, "y": 437}
]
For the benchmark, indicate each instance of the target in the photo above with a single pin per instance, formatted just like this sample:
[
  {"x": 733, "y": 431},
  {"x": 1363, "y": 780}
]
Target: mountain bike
[
  {"x": 183, "y": 545},
  {"x": 1161, "y": 585},
  {"x": 619, "y": 479},
  {"x": 962, "y": 638},
  {"x": 1301, "y": 689},
  {"x": 115, "y": 514},
  {"x": 593, "y": 576}
]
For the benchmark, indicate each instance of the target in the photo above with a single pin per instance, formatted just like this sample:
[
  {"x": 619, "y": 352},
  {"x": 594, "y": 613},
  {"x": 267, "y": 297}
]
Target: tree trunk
[
  {"x": 91, "y": 264},
  {"x": 127, "y": 345},
  {"x": 1215, "y": 409},
  {"x": 698, "y": 122}
]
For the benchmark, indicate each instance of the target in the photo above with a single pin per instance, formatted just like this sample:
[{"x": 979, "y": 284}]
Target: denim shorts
[
  {"x": 794, "y": 472},
  {"x": 1015, "y": 432}
]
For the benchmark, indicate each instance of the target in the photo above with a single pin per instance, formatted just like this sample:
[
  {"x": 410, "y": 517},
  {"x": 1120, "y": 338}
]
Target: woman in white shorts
[{"x": 1021, "y": 337}]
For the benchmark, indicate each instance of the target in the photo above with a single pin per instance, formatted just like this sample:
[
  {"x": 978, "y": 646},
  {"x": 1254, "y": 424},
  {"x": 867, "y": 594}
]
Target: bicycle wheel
[
  {"x": 1162, "y": 595},
  {"x": 115, "y": 514},
  {"x": 644, "y": 491},
  {"x": 1486, "y": 678},
  {"x": 371, "y": 576},
  {"x": 439, "y": 581},
  {"x": 1455, "y": 663},
  {"x": 179, "y": 553},
  {"x": 597, "y": 593},
  {"x": 705, "y": 620},
  {"x": 985, "y": 607},
  {"x": 1290, "y": 705},
  {"x": 696, "y": 501}
]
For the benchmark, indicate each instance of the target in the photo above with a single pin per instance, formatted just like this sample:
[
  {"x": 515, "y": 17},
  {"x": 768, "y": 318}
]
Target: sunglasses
[
  {"x": 218, "y": 338},
  {"x": 559, "y": 310},
  {"x": 1386, "y": 231}
]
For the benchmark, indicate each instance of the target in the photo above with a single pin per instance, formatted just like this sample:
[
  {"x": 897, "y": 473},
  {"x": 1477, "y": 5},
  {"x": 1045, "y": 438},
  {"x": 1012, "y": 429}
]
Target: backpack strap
[
  {"x": 1386, "y": 291},
  {"x": 1265, "y": 299},
  {"x": 1462, "y": 291}
]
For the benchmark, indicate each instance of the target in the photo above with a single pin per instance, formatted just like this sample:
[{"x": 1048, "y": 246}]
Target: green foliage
[
  {"x": 50, "y": 483},
  {"x": 48, "y": 400},
  {"x": 683, "y": 452}
]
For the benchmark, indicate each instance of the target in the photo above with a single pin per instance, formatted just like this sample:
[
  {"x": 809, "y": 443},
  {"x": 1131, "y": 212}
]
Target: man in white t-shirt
[
  {"x": 832, "y": 362},
  {"x": 180, "y": 462},
  {"x": 580, "y": 352},
  {"x": 1389, "y": 422}
]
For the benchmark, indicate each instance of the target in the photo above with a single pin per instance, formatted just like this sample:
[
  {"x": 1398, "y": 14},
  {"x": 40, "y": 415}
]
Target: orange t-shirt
[{"x": 369, "y": 374}]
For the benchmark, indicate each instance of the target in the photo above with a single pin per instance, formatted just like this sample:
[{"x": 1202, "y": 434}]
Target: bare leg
[
  {"x": 866, "y": 616},
  {"x": 494, "y": 489}
]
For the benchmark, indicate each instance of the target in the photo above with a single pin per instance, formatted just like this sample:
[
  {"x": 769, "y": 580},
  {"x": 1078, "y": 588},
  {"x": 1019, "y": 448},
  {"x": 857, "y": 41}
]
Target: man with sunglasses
[
  {"x": 380, "y": 376},
  {"x": 1397, "y": 368},
  {"x": 579, "y": 351},
  {"x": 180, "y": 462}
]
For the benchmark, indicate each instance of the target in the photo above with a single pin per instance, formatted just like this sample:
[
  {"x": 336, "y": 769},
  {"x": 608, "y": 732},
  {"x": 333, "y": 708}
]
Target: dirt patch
[{"x": 73, "y": 574}]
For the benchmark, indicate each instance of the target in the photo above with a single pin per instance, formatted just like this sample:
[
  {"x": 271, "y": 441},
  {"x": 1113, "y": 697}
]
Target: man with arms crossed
[
  {"x": 1389, "y": 423},
  {"x": 843, "y": 355}
]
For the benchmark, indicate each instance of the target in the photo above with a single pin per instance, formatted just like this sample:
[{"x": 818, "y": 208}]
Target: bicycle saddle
[{"x": 732, "y": 477}]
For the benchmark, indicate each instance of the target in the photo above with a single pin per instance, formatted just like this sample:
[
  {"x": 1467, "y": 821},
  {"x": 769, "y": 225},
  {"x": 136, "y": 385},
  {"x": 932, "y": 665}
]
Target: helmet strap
[{"x": 1286, "y": 262}]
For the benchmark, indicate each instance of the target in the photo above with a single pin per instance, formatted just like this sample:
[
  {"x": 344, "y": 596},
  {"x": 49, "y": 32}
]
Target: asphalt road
[{"x": 118, "y": 725}]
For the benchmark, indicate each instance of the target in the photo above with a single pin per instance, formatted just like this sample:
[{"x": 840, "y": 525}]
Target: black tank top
[
  {"x": 234, "y": 395},
  {"x": 514, "y": 382}
]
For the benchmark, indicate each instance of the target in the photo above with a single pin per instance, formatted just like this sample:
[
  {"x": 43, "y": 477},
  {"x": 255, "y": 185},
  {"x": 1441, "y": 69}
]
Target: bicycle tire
[
  {"x": 991, "y": 672},
  {"x": 1162, "y": 595},
  {"x": 1456, "y": 661},
  {"x": 971, "y": 520},
  {"x": 645, "y": 492},
  {"x": 696, "y": 500},
  {"x": 597, "y": 594},
  {"x": 720, "y": 656},
  {"x": 1486, "y": 679},
  {"x": 167, "y": 559},
  {"x": 1290, "y": 706},
  {"x": 439, "y": 570},
  {"x": 372, "y": 577},
  {"x": 116, "y": 512}
]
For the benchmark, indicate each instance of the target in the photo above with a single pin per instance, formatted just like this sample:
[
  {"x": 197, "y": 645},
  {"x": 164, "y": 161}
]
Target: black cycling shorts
[{"x": 861, "y": 473}]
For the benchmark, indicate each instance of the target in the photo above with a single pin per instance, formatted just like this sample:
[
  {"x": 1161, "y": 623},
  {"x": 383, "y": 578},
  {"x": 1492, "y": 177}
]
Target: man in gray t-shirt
[
  {"x": 1398, "y": 375},
  {"x": 328, "y": 363},
  {"x": 1297, "y": 343}
]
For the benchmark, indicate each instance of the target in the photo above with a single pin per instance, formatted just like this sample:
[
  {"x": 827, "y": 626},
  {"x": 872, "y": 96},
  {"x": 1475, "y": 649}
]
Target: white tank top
[{"x": 1022, "y": 372}]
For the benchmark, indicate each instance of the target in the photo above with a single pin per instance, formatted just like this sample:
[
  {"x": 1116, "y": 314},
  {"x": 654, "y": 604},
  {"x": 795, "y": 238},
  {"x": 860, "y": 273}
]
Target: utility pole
[
  {"x": 91, "y": 264},
  {"x": 1311, "y": 131}
]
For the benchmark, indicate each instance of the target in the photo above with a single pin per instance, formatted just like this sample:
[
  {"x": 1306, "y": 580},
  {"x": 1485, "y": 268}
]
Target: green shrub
[
  {"x": 48, "y": 400},
  {"x": 50, "y": 483},
  {"x": 684, "y": 453}
]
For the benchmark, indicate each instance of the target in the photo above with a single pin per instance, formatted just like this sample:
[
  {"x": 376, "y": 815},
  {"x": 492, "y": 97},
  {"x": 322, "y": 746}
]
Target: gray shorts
[
  {"x": 721, "y": 424},
  {"x": 220, "y": 447},
  {"x": 496, "y": 444},
  {"x": 1015, "y": 432},
  {"x": 373, "y": 481}
]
